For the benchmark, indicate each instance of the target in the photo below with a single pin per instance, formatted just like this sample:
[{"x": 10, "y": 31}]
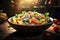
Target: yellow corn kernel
[{"x": 20, "y": 22}]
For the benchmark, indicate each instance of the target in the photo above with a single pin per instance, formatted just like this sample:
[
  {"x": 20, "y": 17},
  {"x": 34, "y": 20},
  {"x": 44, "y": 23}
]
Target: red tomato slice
[
  {"x": 35, "y": 21},
  {"x": 55, "y": 20}
]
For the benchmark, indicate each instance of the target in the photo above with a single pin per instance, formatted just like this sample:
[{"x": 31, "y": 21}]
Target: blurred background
[{"x": 13, "y": 6}]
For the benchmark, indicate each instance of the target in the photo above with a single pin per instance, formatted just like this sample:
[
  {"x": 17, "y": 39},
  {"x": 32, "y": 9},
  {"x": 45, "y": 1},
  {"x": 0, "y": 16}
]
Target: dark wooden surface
[{"x": 8, "y": 33}]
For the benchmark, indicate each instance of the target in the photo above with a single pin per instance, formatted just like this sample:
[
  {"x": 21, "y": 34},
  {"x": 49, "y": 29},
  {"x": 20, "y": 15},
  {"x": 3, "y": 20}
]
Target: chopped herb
[
  {"x": 16, "y": 15},
  {"x": 47, "y": 14},
  {"x": 12, "y": 19},
  {"x": 36, "y": 13}
]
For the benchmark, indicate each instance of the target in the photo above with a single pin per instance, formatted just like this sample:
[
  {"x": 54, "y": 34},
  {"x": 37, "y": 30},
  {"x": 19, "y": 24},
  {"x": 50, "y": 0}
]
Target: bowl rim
[{"x": 30, "y": 25}]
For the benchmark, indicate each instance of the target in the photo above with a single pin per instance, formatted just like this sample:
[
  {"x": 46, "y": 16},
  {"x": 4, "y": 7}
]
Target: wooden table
[{"x": 6, "y": 31}]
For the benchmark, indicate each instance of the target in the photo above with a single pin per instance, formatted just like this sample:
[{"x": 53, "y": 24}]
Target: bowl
[
  {"x": 2, "y": 21},
  {"x": 3, "y": 17},
  {"x": 30, "y": 28}
]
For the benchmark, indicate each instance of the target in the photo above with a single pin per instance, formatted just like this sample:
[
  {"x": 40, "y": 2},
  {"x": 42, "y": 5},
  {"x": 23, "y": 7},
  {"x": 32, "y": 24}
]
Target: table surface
[{"x": 6, "y": 31}]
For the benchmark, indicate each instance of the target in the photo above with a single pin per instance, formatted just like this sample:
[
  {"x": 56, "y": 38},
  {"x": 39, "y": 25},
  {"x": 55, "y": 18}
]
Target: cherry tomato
[
  {"x": 56, "y": 28},
  {"x": 35, "y": 21},
  {"x": 55, "y": 20}
]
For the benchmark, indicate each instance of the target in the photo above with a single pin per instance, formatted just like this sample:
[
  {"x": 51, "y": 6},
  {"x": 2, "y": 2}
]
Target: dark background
[{"x": 54, "y": 8}]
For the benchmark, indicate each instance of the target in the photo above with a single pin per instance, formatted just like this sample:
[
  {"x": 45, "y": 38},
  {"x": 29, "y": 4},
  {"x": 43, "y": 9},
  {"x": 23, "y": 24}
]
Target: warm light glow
[
  {"x": 12, "y": 1},
  {"x": 29, "y": 1},
  {"x": 27, "y": 4},
  {"x": 35, "y": 6}
]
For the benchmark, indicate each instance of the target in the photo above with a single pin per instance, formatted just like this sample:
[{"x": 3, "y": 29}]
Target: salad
[{"x": 30, "y": 18}]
